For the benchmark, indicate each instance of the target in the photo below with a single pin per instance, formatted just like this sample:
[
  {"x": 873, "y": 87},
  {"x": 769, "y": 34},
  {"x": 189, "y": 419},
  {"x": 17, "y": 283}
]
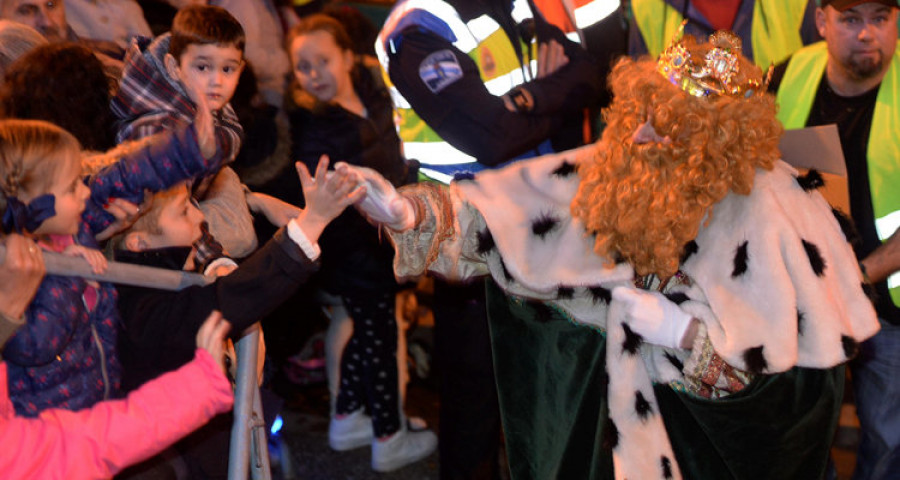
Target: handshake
[{"x": 382, "y": 204}]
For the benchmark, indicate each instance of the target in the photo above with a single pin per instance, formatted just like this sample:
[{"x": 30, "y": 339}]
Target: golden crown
[{"x": 713, "y": 75}]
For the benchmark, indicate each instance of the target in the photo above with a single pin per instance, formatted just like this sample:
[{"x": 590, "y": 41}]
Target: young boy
[
  {"x": 161, "y": 87},
  {"x": 159, "y": 326}
]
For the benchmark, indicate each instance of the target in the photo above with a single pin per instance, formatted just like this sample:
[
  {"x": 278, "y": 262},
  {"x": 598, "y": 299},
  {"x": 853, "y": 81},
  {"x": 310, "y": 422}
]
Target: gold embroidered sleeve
[
  {"x": 443, "y": 240},
  {"x": 707, "y": 375}
]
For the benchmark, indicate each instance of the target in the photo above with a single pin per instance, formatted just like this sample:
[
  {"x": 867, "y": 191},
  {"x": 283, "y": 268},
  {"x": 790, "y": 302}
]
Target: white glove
[
  {"x": 382, "y": 204},
  {"x": 656, "y": 318}
]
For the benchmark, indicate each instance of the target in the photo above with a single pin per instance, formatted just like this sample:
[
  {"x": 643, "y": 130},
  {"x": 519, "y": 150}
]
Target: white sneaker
[
  {"x": 354, "y": 430},
  {"x": 401, "y": 449}
]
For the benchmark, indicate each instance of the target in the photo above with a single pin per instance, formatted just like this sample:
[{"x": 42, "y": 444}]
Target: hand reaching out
[
  {"x": 211, "y": 336},
  {"x": 125, "y": 214},
  {"x": 204, "y": 122},
  {"x": 327, "y": 195},
  {"x": 94, "y": 257},
  {"x": 277, "y": 211},
  {"x": 382, "y": 205}
]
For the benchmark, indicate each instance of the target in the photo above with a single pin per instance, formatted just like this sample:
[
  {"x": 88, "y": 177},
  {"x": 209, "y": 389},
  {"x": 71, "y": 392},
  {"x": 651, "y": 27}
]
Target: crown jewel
[{"x": 713, "y": 75}]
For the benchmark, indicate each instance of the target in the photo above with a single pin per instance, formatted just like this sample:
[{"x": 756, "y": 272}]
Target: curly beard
[{"x": 644, "y": 202}]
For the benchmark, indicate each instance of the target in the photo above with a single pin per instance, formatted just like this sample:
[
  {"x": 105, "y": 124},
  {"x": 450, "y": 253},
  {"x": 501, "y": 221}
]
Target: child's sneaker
[
  {"x": 401, "y": 449},
  {"x": 354, "y": 430}
]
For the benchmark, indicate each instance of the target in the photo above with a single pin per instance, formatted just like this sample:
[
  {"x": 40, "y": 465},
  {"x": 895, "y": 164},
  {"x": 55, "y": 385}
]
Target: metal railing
[{"x": 249, "y": 446}]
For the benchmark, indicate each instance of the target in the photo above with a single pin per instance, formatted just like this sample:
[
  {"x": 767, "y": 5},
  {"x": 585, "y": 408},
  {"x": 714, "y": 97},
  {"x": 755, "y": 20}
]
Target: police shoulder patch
[{"x": 439, "y": 70}]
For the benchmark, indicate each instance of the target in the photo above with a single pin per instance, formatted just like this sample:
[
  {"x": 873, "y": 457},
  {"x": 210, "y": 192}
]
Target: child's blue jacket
[{"x": 65, "y": 356}]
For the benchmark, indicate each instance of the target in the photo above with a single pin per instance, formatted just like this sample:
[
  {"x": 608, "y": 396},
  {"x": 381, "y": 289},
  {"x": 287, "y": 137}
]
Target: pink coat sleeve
[{"x": 102, "y": 440}]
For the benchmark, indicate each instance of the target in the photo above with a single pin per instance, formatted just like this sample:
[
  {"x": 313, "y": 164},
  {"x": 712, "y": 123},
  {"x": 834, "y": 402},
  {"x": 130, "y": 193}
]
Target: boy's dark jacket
[{"x": 159, "y": 327}]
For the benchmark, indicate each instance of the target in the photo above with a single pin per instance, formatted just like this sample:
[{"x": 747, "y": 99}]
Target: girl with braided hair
[{"x": 64, "y": 355}]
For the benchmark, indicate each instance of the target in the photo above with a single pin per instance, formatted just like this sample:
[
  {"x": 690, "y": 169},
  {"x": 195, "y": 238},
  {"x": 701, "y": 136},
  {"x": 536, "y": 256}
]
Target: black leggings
[{"x": 369, "y": 363}]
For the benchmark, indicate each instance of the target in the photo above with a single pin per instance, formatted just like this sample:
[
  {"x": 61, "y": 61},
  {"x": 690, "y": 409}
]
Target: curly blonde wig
[{"x": 644, "y": 202}]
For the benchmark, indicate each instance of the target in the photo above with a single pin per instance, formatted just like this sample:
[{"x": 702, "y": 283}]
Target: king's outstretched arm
[{"x": 432, "y": 227}]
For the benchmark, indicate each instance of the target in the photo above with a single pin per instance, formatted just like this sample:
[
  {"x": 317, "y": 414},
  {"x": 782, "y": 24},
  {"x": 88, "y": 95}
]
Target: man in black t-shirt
[{"x": 852, "y": 80}]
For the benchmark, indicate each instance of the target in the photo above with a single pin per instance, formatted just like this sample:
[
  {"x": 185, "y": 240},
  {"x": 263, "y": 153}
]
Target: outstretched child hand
[
  {"x": 94, "y": 257},
  {"x": 211, "y": 336},
  {"x": 277, "y": 211},
  {"x": 203, "y": 123},
  {"x": 125, "y": 214},
  {"x": 327, "y": 195}
]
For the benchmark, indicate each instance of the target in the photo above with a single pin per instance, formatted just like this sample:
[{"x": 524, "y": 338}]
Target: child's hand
[
  {"x": 211, "y": 336},
  {"x": 94, "y": 257},
  {"x": 125, "y": 214},
  {"x": 222, "y": 270},
  {"x": 203, "y": 122},
  {"x": 327, "y": 195},
  {"x": 278, "y": 212}
]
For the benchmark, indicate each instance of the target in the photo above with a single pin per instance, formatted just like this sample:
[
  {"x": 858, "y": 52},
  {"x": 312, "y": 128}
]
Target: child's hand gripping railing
[{"x": 248, "y": 429}]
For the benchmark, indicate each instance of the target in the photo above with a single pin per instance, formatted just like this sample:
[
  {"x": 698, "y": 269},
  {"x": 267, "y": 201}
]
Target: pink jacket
[{"x": 99, "y": 441}]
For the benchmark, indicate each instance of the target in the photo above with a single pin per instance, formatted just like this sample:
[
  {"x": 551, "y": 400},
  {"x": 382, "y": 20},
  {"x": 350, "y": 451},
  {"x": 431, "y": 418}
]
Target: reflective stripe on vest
[
  {"x": 795, "y": 98},
  {"x": 573, "y": 16},
  {"x": 594, "y": 11},
  {"x": 487, "y": 44},
  {"x": 775, "y": 31}
]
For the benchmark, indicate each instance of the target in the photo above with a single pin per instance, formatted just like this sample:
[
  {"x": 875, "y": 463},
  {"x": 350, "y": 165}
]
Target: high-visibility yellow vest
[
  {"x": 795, "y": 98},
  {"x": 485, "y": 42},
  {"x": 775, "y": 31}
]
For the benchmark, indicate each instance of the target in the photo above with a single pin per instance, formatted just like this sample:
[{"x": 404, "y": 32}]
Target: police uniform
[{"x": 447, "y": 66}]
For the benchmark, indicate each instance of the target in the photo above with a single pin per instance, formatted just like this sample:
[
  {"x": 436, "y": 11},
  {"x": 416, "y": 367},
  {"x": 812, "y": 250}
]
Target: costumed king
[{"x": 673, "y": 301}]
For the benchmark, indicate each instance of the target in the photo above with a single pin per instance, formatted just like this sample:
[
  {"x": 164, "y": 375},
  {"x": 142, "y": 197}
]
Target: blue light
[{"x": 276, "y": 426}]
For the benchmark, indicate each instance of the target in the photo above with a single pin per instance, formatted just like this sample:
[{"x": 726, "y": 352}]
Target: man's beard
[
  {"x": 866, "y": 67},
  {"x": 53, "y": 34}
]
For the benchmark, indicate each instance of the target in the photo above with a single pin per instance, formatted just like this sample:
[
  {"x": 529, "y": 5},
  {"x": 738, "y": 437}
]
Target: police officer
[{"x": 477, "y": 84}]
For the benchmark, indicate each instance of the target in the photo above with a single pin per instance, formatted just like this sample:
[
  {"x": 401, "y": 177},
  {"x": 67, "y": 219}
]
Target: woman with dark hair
[{"x": 65, "y": 84}]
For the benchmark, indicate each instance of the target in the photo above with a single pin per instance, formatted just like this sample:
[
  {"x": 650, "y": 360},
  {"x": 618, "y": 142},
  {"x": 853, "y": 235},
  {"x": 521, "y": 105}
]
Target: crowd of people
[{"x": 629, "y": 280}]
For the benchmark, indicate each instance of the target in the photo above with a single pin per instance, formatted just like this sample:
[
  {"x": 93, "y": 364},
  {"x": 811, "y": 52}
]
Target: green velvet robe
[{"x": 552, "y": 383}]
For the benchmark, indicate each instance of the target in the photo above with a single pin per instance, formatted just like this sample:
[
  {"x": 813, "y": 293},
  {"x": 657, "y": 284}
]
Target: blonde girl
[{"x": 64, "y": 355}]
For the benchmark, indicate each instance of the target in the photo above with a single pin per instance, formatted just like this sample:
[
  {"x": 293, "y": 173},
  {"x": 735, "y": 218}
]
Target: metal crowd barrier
[{"x": 249, "y": 447}]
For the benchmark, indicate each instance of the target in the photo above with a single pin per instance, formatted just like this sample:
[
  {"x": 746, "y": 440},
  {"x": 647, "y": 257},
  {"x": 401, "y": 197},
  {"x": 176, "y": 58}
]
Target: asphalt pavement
[{"x": 304, "y": 440}]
